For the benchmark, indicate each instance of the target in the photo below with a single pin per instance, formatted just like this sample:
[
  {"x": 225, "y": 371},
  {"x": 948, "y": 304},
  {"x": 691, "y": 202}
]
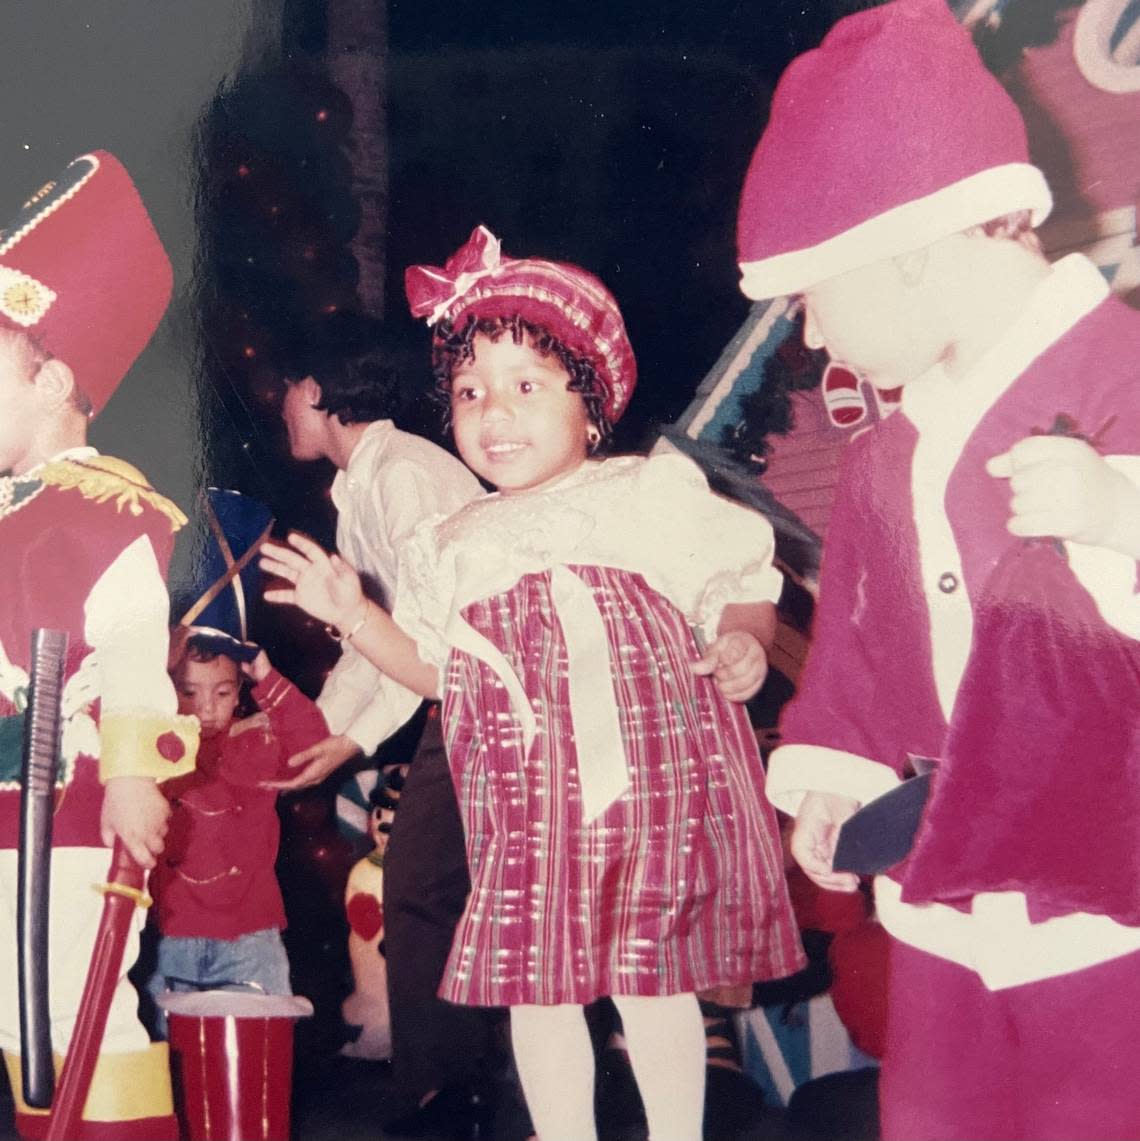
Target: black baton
[{"x": 43, "y": 726}]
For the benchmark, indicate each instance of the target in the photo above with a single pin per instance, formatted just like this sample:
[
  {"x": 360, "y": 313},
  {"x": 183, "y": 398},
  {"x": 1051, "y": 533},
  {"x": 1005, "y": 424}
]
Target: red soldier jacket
[
  {"x": 216, "y": 878},
  {"x": 84, "y": 545}
]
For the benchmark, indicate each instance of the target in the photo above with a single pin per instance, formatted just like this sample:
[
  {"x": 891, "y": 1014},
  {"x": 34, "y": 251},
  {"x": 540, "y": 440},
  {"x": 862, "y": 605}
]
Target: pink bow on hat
[
  {"x": 432, "y": 289},
  {"x": 566, "y": 300}
]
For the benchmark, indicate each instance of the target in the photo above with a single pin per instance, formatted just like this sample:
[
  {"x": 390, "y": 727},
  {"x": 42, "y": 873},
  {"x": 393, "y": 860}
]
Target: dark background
[{"x": 615, "y": 136}]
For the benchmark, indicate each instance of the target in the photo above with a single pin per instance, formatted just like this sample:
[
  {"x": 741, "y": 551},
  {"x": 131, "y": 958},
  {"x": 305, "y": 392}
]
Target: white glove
[{"x": 1063, "y": 488}]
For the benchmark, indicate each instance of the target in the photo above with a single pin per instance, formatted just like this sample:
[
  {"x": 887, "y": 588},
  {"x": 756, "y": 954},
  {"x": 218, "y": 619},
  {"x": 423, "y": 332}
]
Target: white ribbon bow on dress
[{"x": 603, "y": 769}]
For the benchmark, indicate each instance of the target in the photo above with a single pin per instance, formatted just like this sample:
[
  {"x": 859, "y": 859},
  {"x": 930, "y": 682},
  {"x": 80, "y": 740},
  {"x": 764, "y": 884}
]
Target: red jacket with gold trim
[
  {"x": 84, "y": 545},
  {"x": 215, "y": 878}
]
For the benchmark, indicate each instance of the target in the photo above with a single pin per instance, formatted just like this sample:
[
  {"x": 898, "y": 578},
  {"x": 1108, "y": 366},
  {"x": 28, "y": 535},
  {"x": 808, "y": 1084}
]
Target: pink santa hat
[{"x": 889, "y": 136}]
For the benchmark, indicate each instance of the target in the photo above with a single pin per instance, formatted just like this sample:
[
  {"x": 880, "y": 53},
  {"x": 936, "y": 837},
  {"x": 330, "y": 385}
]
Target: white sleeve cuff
[
  {"x": 758, "y": 582},
  {"x": 795, "y": 770},
  {"x": 126, "y": 618},
  {"x": 389, "y": 707},
  {"x": 346, "y": 689}
]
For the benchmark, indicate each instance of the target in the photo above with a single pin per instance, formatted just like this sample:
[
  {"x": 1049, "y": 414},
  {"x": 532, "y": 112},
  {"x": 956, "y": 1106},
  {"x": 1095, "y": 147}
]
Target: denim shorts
[{"x": 256, "y": 961}]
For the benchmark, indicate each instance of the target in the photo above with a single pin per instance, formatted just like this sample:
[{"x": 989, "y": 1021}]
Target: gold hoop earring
[{"x": 593, "y": 436}]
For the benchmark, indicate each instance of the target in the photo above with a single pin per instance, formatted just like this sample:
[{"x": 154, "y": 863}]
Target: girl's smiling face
[{"x": 516, "y": 425}]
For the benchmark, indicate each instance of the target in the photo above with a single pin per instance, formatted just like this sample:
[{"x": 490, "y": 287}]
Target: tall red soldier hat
[
  {"x": 479, "y": 281},
  {"x": 84, "y": 273},
  {"x": 889, "y": 136}
]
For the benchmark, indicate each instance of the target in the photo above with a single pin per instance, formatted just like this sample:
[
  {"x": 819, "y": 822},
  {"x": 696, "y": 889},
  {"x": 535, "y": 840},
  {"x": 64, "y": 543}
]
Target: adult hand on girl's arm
[
  {"x": 736, "y": 659},
  {"x": 329, "y": 589},
  {"x": 312, "y": 765}
]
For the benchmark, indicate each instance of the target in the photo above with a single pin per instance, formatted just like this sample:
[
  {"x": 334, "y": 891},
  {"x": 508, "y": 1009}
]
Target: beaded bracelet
[{"x": 332, "y": 632}]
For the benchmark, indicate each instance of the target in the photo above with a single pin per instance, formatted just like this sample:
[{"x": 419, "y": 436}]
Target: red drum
[{"x": 232, "y": 1057}]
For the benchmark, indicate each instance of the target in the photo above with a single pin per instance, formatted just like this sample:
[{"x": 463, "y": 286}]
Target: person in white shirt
[
  {"x": 387, "y": 482},
  {"x": 337, "y": 407}
]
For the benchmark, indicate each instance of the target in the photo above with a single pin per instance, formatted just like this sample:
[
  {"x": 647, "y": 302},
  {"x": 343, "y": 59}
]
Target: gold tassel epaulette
[{"x": 103, "y": 477}]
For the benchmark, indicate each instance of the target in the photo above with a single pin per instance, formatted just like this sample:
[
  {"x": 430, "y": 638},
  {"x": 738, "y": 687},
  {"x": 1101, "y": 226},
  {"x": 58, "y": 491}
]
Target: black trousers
[{"x": 434, "y": 1043}]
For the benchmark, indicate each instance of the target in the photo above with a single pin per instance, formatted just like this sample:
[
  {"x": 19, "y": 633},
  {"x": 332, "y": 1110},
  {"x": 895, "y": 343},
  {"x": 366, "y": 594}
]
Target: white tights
[{"x": 555, "y": 1060}]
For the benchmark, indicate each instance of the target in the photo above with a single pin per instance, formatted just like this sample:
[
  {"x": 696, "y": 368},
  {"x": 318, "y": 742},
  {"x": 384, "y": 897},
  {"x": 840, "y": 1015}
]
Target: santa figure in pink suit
[{"x": 978, "y": 600}]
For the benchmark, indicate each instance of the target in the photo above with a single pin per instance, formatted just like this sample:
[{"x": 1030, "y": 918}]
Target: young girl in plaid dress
[{"x": 610, "y": 785}]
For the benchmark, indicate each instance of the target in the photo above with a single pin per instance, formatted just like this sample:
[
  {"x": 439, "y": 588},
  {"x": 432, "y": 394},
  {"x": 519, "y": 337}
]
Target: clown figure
[{"x": 367, "y": 1006}]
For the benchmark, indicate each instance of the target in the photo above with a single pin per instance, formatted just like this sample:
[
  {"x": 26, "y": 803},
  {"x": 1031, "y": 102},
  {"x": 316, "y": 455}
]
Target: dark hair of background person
[{"x": 355, "y": 361}]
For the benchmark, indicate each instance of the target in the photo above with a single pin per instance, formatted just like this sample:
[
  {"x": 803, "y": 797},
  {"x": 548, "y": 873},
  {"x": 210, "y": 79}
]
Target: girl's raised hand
[{"x": 322, "y": 585}]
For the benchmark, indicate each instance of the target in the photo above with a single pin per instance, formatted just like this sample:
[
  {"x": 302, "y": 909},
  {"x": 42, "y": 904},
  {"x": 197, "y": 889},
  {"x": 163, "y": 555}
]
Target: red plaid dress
[{"x": 678, "y": 885}]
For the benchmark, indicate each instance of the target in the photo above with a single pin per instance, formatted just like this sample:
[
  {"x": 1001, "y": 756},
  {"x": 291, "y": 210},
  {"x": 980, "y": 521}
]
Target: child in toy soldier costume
[{"x": 84, "y": 543}]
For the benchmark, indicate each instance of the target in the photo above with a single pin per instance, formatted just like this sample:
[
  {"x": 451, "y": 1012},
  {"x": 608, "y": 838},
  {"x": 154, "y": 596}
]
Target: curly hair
[{"x": 452, "y": 347}]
